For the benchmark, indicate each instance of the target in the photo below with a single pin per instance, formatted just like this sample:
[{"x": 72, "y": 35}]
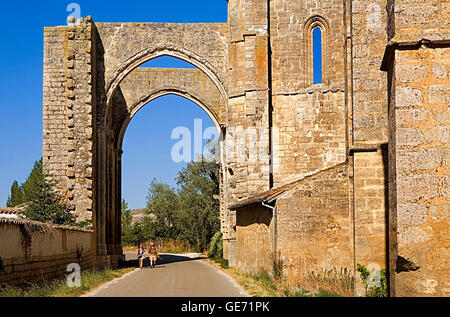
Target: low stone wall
[{"x": 33, "y": 252}]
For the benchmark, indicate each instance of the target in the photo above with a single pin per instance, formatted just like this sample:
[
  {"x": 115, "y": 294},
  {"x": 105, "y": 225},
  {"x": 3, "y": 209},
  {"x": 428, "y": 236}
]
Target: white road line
[
  {"x": 230, "y": 278},
  {"x": 110, "y": 283}
]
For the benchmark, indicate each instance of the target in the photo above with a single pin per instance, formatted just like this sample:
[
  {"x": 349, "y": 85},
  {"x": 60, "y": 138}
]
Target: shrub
[
  {"x": 216, "y": 247},
  {"x": 380, "y": 290}
]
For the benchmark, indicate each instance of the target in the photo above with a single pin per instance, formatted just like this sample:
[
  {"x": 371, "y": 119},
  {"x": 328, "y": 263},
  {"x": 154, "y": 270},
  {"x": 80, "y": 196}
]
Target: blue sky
[
  {"x": 317, "y": 47},
  {"x": 147, "y": 144}
]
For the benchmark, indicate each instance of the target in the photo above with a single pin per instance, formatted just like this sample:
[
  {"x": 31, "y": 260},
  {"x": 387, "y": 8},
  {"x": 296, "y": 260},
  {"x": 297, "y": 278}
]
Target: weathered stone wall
[
  {"x": 310, "y": 119},
  {"x": 368, "y": 130},
  {"x": 145, "y": 84},
  {"x": 418, "y": 65},
  {"x": 421, "y": 133},
  {"x": 411, "y": 20},
  {"x": 248, "y": 107},
  {"x": 127, "y": 45},
  {"x": 68, "y": 110},
  {"x": 370, "y": 209},
  {"x": 291, "y": 25},
  {"x": 55, "y": 112},
  {"x": 368, "y": 82},
  {"x": 254, "y": 232},
  {"x": 38, "y": 252},
  {"x": 311, "y": 133},
  {"x": 314, "y": 224},
  {"x": 247, "y": 139}
]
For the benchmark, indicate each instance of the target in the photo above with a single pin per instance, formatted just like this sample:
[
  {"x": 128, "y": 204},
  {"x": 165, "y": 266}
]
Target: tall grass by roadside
[
  {"x": 59, "y": 288},
  {"x": 325, "y": 283}
]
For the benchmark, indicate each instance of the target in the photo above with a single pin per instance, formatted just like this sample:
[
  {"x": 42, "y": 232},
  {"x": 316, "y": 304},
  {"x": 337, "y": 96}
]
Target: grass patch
[
  {"x": 58, "y": 288},
  {"x": 264, "y": 285},
  {"x": 255, "y": 285}
]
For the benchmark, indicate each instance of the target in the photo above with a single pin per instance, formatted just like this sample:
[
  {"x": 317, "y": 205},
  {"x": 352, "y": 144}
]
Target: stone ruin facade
[{"x": 352, "y": 170}]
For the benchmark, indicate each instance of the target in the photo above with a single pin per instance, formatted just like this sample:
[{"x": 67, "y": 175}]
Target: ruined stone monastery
[{"x": 326, "y": 162}]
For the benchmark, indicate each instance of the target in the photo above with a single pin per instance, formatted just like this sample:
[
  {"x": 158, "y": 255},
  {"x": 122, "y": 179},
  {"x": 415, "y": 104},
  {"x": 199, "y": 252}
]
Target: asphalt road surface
[{"x": 174, "y": 276}]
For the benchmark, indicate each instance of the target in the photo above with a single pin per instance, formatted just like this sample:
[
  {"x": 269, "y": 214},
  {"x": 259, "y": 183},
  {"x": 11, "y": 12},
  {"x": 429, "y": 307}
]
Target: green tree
[
  {"x": 127, "y": 218},
  {"x": 45, "y": 204},
  {"x": 34, "y": 182},
  {"x": 199, "y": 206},
  {"x": 162, "y": 211},
  {"x": 137, "y": 234},
  {"x": 190, "y": 213},
  {"x": 17, "y": 196}
]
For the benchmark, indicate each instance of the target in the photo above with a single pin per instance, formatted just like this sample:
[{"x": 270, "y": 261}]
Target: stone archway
[
  {"x": 137, "y": 88},
  {"x": 152, "y": 53},
  {"x": 86, "y": 103}
]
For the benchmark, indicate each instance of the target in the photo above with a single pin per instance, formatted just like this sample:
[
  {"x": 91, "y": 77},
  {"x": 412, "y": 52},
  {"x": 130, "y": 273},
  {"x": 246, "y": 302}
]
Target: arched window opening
[
  {"x": 317, "y": 55},
  {"x": 316, "y": 51}
]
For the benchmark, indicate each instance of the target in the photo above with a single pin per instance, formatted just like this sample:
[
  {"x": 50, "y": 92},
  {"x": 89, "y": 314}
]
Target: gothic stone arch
[
  {"x": 138, "y": 88},
  {"x": 96, "y": 75},
  {"x": 94, "y": 87}
]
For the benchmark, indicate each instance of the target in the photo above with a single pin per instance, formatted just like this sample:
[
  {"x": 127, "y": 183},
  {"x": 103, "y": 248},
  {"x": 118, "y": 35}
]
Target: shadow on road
[{"x": 132, "y": 261}]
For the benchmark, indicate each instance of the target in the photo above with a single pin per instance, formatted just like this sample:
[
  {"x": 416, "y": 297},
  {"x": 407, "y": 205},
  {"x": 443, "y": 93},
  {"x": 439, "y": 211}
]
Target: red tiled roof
[
  {"x": 10, "y": 211},
  {"x": 17, "y": 210},
  {"x": 264, "y": 196}
]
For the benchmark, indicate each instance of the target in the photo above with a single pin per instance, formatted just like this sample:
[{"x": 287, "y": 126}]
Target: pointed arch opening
[
  {"x": 316, "y": 51},
  {"x": 150, "y": 142}
]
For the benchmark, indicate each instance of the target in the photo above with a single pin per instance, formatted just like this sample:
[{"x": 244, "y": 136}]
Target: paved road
[{"x": 174, "y": 276}]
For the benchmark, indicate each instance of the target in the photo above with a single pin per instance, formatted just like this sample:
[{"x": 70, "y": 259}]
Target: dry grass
[
  {"x": 89, "y": 281},
  {"x": 129, "y": 248},
  {"x": 324, "y": 283},
  {"x": 260, "y": 286},
  {"x": 176, "y": 247},
  {"x": 333, "y": 281}
]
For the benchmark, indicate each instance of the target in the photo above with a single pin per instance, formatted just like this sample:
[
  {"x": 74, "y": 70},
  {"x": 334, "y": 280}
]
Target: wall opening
[
  {"x": 316, "y": 52},
  {"x": 167, "y": 62},
  {"x": 317, "y": 55},
  {"x": 152, "y": 79},
  {"x": 151, "y": 166},
  {"x": 150, "y": 139}
]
